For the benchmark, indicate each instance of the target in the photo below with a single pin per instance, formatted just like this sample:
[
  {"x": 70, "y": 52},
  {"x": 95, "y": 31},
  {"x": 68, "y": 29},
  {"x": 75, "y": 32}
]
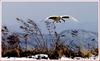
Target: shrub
[{"x": 12, "y": 53}]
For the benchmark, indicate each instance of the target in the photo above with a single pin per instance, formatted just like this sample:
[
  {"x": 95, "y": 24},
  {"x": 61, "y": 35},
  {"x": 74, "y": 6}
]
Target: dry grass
[{"x": 57, "y": 50}]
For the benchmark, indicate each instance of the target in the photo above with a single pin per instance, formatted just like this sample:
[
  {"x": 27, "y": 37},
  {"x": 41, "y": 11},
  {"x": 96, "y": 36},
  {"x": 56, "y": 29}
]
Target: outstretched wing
[
  {"x": 53, "y": 17},
  {"x": 66, "y": 17}
]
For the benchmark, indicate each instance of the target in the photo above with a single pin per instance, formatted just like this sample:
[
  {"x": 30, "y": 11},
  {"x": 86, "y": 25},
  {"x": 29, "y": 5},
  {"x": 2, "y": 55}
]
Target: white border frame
[
  {"x": 0, "y": 25},
  {"x": 52, "y": 1}
]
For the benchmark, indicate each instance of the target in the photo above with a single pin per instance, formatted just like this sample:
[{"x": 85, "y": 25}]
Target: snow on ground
[
  {"x": 79, "y": 58},
  {"x": 63, "y": 58}
]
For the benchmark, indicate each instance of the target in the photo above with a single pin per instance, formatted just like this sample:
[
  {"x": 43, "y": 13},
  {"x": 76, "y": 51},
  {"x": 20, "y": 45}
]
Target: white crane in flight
[{"x": 64, "y": 18}]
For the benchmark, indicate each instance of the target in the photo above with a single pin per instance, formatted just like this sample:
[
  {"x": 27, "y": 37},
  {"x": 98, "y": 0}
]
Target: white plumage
[{"x": 63, "y": 18}]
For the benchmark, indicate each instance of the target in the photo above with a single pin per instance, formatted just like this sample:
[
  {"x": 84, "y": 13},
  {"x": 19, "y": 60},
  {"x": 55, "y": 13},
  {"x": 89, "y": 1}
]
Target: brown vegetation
[
  {"x": 11, "y": 53},
  {"x": 12, "y": 48}
]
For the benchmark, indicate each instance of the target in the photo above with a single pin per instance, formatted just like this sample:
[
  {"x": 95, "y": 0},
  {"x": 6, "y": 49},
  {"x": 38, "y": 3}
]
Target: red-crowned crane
[{"x": 64, "y": 18}]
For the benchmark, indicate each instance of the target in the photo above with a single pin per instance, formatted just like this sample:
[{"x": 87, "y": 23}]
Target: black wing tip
[{"x": 65, "y": 17}]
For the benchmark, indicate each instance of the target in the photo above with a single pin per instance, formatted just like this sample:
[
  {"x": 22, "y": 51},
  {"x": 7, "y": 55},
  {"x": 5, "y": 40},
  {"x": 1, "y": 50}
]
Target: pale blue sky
[{"x": 86, "y": 13}]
